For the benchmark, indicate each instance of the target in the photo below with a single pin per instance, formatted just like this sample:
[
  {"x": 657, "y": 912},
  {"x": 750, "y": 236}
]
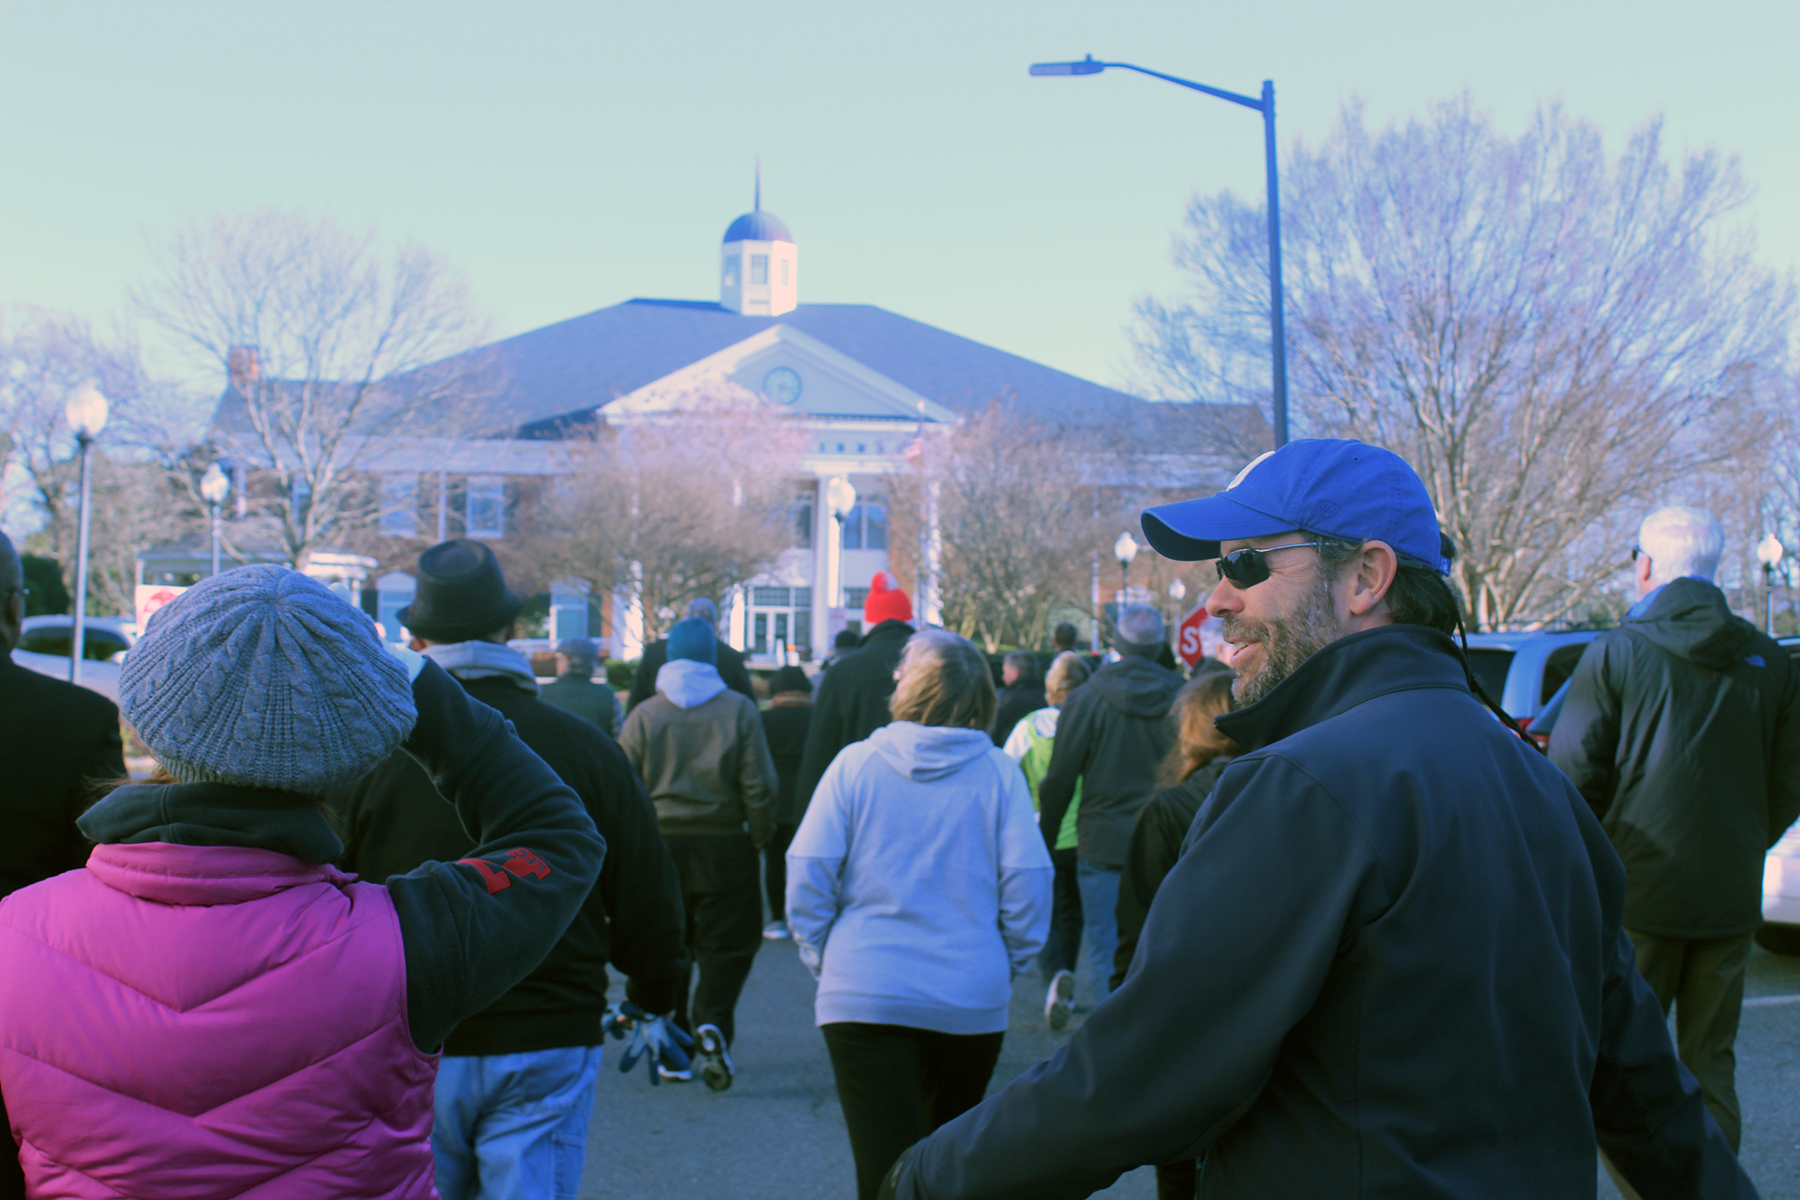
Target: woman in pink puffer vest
[{"x": 209, "y": 1009}]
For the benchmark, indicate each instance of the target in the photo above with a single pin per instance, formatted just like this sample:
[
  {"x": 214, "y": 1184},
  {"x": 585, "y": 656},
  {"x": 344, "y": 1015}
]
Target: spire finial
[{"x": 757, "y": 207}]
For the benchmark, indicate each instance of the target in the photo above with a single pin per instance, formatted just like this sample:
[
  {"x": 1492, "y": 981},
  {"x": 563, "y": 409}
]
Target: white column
[{"x": 931, "y": 606}]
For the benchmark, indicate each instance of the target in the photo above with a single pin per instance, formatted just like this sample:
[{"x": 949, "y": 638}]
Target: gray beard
[{"x": 1287, "y": 641}]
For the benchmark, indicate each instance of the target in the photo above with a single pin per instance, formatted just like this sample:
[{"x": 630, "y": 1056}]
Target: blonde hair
[
  {"x": 1067, "y": 672},
  {"x": 1197, "y": 742},
  {"x": 943, "y": 680}
]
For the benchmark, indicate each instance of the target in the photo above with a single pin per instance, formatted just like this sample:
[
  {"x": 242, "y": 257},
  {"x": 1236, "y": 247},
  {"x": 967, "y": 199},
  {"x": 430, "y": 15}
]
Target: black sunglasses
[
  {"x": 1635, "y": 551},
  {"x": 1249, "y": 566}
]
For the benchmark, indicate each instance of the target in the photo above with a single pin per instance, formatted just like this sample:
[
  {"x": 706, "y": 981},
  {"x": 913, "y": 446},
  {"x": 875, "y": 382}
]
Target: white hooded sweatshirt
[{"x": 918, "y": 883}]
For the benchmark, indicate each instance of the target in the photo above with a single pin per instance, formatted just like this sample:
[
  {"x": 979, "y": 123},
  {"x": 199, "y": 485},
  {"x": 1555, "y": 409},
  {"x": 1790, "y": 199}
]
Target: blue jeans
[
  {"x": 1099, "y": 921},
  {"x": 513, "y": 1126}
]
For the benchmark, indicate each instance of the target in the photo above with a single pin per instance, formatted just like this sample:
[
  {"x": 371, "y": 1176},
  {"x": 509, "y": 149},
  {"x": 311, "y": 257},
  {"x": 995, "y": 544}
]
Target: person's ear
[
  {"x": 1643, "y": 569},
  {"x": 1370, "y": 574}
]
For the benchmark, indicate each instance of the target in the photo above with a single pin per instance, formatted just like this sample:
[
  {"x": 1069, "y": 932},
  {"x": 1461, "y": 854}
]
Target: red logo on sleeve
[{"x": 518, "y": 861}]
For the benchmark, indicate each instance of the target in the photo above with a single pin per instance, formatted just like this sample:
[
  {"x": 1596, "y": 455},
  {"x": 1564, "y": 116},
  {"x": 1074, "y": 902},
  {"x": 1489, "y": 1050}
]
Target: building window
[
  {"x": 400, "y": 505},
  {"x": 771, "y": 597},
  {"x": 803, "y": 520},
  {"x": 731, "y": 271},
  {"x": 784, "y": 272},
  {"x": 759, "y": 633},
  {"x": 855, "y": 597},
  {"x": 486, "y": 513},
  {"x": 865, "y": 526},
  {"x": 759, "y": 269}
]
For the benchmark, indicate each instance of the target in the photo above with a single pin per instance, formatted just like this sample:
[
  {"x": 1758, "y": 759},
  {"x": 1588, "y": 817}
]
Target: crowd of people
[{"x": 1342, "y": 930}]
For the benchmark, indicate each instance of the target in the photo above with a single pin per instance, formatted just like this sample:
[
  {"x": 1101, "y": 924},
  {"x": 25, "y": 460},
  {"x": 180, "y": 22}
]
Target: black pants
[
  {"x": 775, "y": 870},
  {"x": 1064, "y": 944},
  {"x": 896, "y": 1084},
  {"x": 724, "y": 924}
]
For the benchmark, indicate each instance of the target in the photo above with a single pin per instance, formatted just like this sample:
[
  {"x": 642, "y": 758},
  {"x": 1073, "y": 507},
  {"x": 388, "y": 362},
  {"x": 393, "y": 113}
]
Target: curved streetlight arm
[
  {"x": 1266, "y": 106},
  {"x": 1221, "y": 93}
]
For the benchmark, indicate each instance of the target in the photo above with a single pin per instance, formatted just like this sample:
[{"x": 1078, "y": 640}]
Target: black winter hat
[
  {"x": 462, "y": 594},
  {"x": 789, "y": 679}
]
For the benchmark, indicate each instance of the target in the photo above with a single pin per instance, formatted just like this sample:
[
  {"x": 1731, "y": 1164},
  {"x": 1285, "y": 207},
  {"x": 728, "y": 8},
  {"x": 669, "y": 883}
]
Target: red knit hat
[{"x": 886, "y": 601}]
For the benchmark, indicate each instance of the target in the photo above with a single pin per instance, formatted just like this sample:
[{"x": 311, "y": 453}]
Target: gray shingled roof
[{"x": 576, "y": 365}]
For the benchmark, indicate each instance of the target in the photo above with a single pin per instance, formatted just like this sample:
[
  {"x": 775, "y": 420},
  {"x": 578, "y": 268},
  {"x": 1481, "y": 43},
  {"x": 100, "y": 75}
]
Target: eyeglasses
[
  {"x": 1635, "y": 551},
  {"x": 1248, "y": 567}
]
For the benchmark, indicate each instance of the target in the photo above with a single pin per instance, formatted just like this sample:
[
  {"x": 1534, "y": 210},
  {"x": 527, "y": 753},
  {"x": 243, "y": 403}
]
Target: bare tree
[
  {"x": 666, "y": 509},
  {"x": 1017, "y": 519},
  {"x": 136, "y": 502},
  {"x": 320, "y": 333},
  {"x": 1552, "y": 336}
]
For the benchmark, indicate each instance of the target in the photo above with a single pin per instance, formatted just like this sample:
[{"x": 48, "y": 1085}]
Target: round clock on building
[{"x": 782, "y": 385}]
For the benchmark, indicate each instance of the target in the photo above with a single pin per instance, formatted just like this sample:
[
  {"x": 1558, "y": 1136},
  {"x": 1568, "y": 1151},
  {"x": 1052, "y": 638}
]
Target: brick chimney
[{"x": 244, "y": 367}]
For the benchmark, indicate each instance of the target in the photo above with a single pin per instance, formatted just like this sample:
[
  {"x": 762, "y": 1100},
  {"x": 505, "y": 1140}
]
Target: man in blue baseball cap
[{"x": 1389, "y": 961}]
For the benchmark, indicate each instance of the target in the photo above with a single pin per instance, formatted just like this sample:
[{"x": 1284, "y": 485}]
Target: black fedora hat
[{"x": 462, "y": 594}]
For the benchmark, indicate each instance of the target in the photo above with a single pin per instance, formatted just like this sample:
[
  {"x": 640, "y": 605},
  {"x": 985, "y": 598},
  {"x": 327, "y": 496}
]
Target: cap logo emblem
[{"x": 1249, "y": 467}]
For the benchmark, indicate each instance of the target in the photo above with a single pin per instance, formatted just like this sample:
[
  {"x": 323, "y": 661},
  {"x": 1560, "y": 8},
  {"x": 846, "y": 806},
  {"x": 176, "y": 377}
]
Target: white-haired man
[{"x": 1682, "y": 730}]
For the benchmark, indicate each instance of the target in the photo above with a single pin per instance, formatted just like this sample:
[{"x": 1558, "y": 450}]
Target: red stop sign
[{"x": 1188, "y": 644}]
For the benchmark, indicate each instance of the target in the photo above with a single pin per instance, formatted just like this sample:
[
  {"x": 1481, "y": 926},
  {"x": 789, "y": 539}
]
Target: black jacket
[
  {"x": 1156, "y": 839},
  {"x": 1016, "y": 703},
  {"x": 852, "y": 702},
  {"x": 58, "y": 741},
  {"x": 785, "y": 726},
  {"x": 1681, "y": 728},
  {"x": 393, "y": 820},
  {"x": 1112, "y": 736},
  {"x": 1388, "y": 963},
  {"x": 643, "y": 684}
]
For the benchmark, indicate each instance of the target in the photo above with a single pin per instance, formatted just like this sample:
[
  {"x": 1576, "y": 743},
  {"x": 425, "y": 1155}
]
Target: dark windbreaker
[
  {"x": 1111, "y": 736},
  {"x": 1682, "y": 731},
  {"x": 1388, "y": 964}
]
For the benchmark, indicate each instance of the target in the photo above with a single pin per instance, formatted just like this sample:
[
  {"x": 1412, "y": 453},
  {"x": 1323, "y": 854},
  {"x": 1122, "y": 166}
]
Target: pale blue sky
[{"x": 570, "y": 156}]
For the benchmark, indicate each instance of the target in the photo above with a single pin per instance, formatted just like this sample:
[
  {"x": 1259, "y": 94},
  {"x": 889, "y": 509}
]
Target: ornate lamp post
[
  {"x": 215, "y": 485},
  {"x": 1177, "y": 593},
  {"x": 1125, "y": 549},
  {"x": 1769, "y": 552},
  {"x": 86, "y": 411},
  {"x": 840, "y": 498}
]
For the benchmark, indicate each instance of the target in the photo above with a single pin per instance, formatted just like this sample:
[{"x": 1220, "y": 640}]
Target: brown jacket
[{"x": 707, "y": 768}]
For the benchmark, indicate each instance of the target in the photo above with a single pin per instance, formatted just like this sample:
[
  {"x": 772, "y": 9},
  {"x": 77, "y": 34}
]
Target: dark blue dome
[{"x": 758, "y": 226}]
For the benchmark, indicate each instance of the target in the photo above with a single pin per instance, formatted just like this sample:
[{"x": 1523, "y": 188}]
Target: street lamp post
[
  {"x": 1125, "y": 549},
  {"x": 840, "y": 498},
  {"x": 86, "y": 411},
  {"x": 1769, "y": 552},
  {"x": 215, "y": 485},
  {"x": 1177, "y": 593},
  {"x": 1266, "y": 106}
]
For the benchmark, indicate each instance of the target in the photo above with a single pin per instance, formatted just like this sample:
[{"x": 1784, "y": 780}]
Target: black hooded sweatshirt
[
  {"x": 1682, "y": 731},
  {"x": 1112, "y": 736}
]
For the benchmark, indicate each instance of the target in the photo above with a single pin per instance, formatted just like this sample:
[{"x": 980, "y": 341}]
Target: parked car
[
  {"x": 44, "y": 647},
  {"x": 1524, "y": 671}
]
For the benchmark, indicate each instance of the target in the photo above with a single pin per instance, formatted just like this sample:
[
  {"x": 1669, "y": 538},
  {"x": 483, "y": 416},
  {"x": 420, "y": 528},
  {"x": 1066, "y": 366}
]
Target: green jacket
[{"x": 1031, "y": 743}]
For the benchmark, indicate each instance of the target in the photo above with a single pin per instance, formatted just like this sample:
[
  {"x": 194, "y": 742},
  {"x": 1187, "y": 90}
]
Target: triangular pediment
[{"x": 787, "y": 370}]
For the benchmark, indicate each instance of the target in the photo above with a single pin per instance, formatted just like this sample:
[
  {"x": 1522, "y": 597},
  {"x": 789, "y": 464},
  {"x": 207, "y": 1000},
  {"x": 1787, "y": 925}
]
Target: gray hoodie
[{"x": 918, "y": 885}]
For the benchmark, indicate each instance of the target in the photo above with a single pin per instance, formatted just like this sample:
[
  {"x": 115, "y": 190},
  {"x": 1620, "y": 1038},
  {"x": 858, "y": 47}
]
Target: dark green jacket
[
  {"x": 1112, "y": 736},
  {"x": 593, "y": 702},
  {"x": 1682, "y": 731}
]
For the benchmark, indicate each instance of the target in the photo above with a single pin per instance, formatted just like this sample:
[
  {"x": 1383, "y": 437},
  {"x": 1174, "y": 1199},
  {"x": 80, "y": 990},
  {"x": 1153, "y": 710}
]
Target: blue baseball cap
[{"x": 1342, "y": 489}]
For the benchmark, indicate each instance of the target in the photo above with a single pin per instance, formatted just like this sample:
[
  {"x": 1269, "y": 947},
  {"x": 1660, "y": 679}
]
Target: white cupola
[{"x": 759, "y": 265}]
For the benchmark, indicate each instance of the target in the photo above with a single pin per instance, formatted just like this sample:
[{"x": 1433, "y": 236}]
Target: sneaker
[
  {"x": 716, "y": 1069},
  {"x": 1059, "y": 1002},
  {"x": 775, "y": 931},
  {"x": 682, "y": 1076}
]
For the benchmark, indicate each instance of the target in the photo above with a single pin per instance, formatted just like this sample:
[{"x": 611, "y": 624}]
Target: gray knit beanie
[{"x": 262, "y": 677}]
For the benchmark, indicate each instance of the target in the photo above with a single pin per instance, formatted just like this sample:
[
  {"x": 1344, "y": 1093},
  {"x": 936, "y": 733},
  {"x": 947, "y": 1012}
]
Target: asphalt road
[{"x": 778, "y": 1134}]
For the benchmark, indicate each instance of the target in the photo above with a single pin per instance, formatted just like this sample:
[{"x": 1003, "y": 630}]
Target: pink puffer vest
[{"x": 210, "y": 1021}]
